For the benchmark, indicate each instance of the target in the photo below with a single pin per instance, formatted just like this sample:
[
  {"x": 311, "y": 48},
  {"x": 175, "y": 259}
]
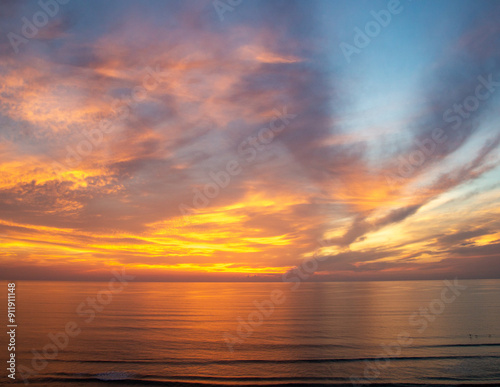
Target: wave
[
  {"x": 146, "y": 377},
  {"x": 276, "y": 361},
  {"x": 459, "y": 345},
  {"x": 192, "y": 381}
]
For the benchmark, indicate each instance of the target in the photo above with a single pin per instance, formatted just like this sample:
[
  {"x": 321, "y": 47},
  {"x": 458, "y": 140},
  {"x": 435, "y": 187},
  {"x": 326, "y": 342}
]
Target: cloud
[
  {"x": 361, "y": 226},
  {"x": 77, "y": 200},
  {"x": 462, "y": 236}
]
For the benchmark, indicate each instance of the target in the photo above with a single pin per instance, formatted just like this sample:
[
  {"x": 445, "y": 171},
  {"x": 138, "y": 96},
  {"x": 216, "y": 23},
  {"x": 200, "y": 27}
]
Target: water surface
[{"x": 321, "y": 333}]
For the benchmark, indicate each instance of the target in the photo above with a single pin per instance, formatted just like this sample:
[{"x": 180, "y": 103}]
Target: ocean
[{"x": 325, "y": 333}]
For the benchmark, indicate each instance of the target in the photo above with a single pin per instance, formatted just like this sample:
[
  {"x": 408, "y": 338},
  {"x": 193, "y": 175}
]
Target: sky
[{"x": 234, "y": 140}]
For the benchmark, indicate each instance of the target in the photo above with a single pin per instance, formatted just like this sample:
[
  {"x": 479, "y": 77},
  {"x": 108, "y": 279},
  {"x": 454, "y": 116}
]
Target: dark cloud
[
  {"x": 361, "y": 226},
  {"x": 462, "y": 236}
]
